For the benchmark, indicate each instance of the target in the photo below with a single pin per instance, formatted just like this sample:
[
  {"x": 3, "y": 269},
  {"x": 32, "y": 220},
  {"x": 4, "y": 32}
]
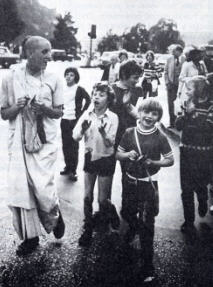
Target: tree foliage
[
  {"x": 136, "y": 40},
  {"x": 38, "y": 19},
  {"x": 163, "y": 34},
  {"x": 11, "y": 25},
  {"x": 109, "y": 43},
  {"x": 64, "y": 34}
]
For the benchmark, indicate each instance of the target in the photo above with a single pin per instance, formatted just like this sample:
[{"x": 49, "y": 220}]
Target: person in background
[
  {"x": 123, "y": 56},
  {"x": 140, "y": 149},
  {"x": 126, "y": 96},
  {"x": 171, "y": 75},
  {"x": 192, "y": 67},
  {"x": 152, "y": 73},
  {"x": 31, "y": 100},
  {"x": 196, "y": 150},
  {"x": 111, "y": 71},
  {"x": 98, "y": 127},
  {"x": 76, "y": 101}
]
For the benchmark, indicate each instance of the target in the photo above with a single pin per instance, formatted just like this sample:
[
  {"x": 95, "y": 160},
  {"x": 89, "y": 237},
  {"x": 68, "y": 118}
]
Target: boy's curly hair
[{"x": 105, "y": 87}]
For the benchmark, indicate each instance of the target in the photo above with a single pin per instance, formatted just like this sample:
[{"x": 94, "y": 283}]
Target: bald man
[{"x": 31, "y": 100}]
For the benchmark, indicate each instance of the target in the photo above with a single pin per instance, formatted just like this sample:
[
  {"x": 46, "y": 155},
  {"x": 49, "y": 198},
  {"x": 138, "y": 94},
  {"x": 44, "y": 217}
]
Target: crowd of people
[{"x": 113, "y": 129}]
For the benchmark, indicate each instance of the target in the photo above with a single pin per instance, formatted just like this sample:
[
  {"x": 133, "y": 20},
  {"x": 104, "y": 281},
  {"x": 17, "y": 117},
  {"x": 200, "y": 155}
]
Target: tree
[
  {"x": 163, "y": 34},
  {"x": 11, "y": 25},
  {"x": 136, "y": 40},
  {"x": 64, "y": 34},
  {"x": 109, "y": 43}
]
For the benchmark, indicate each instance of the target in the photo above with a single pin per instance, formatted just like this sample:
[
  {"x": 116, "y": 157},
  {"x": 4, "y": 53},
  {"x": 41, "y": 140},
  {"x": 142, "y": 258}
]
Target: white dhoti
[{"x": 32, "y": 194}]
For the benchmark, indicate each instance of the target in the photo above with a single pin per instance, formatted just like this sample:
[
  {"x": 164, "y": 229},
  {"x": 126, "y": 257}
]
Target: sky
[{"x": 195, "y": 16}]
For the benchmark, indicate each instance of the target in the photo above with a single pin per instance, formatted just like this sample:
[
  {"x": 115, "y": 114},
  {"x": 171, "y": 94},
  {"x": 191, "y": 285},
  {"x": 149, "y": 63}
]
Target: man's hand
[
  {"x": 37, "y": 107},
  {"x": 132, "y": 155},
  {"x": 85, "y": 125},
  {"x": 21, "y": 102}
]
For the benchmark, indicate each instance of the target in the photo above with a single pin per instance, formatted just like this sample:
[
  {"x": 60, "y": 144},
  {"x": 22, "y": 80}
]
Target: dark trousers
[
  {"x": 195, "y": 174},
  {"x": 69, "y": 145},
  {"x": 140, "y": 198},
  {"x": 172, "y": 95}
]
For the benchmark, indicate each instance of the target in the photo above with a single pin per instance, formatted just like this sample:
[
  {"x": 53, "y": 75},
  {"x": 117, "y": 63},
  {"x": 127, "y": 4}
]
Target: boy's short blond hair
[
  {"x": 151, "y": 105},
  {"x": 198, "y": 81}
]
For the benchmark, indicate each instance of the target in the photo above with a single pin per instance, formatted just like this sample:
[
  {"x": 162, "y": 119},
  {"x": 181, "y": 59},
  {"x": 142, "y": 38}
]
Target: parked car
[
  {"x": 61, "y": 55},
  {"x": 7, "y": 58}
]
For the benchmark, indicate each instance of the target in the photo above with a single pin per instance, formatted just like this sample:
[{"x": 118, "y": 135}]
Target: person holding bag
[
  {"x": 141, "y": 149},
  {"x": 31, "y": 101}
]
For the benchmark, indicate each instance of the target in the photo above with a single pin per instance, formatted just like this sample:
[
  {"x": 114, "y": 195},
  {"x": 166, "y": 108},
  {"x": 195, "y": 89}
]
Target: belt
[
  {"x": 136, "y": 179},
  {"x": 203, "y": 148}
]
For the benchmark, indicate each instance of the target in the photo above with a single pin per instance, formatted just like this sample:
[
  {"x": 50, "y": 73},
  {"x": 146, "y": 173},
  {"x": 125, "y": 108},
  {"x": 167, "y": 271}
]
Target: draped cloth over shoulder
[{"x": 31, "y": 187}]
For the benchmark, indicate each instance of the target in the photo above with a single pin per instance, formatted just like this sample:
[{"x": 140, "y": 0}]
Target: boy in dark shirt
[
  {"x": 196, "y": 150},
  {"x": 126, "y": 97},
  {"x": 140, "y": 149}
]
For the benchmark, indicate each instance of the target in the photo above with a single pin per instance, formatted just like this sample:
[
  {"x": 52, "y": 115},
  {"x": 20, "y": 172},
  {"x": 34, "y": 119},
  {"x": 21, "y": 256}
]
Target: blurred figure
[
  {"x": 152, "y": 73},
  {"x": 111, "y": 71},
  {"x": 123, "y": 56},
  {"x": 194, "y": 66},
  {"x": 196, "y": 149},
  {"x": 171, "y": 74}
]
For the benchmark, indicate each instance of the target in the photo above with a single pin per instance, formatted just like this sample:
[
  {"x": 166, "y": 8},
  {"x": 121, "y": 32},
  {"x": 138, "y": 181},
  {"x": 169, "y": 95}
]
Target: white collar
[{"x": 145, "y": 132}]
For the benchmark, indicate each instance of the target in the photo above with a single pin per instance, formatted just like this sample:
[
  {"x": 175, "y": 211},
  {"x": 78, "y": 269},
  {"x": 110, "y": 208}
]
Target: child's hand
[
  {"x": 190, "y": 108},
  {"x": 102, "y": 127},
  {"x": 132, "y": 155},
  {"x": 148, "y": 162},
  {"x": 126, "y": 98},
  {"x": 85, "y": 125}
]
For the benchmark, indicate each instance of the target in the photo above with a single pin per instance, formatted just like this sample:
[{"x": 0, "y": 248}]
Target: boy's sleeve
[
  {"x": 76, "y": 134},
  {"x": 124, "y": 143},
  {"x": 165, "y": 147}
]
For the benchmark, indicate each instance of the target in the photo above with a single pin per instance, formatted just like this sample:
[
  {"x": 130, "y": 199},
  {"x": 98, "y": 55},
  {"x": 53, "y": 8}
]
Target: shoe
[
  {"x": 27, "y": 246},
  {"x": 148, "y": 273},
  {"x": 73, "y": 176},
  {"x": 86, "y": 237},
  {"x": 211, "y": 209},
  {"x": 59, "y": 229},
  {"x": 188, "y": 227},
  {"x": 114, "y": 218},
  {"x": 66, "y": 171},
  {"x": 202, "y": 208}
]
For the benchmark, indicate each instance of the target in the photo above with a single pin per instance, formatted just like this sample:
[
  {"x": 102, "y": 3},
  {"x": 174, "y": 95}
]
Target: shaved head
[
  {"x": 33, "y": 43},
  {"x": 38, "y": 52}
]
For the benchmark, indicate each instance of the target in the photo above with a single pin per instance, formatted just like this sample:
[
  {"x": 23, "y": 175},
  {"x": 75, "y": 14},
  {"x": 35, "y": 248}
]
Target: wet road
[{"x": 178, "y": 261}]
